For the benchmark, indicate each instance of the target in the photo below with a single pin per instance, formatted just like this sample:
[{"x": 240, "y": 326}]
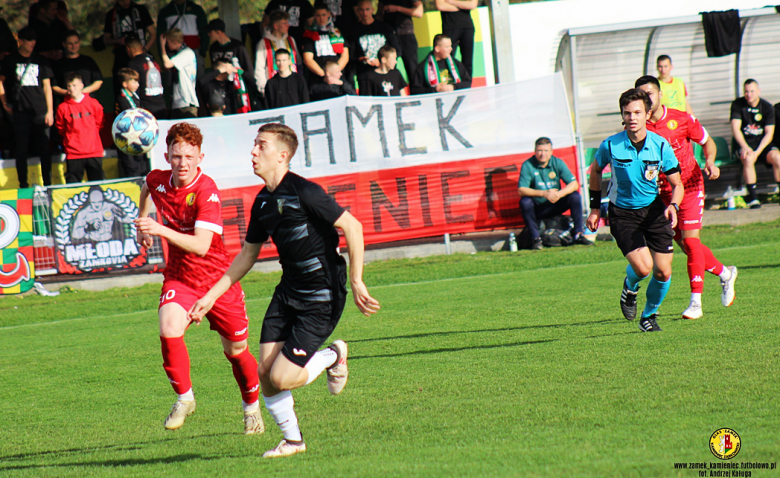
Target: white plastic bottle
[
  {"x": 730, "y": 205},
  {"x": 512, "y": 242}
]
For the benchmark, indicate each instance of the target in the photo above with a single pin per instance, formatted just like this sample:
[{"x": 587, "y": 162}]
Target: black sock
[{"x": 751, "y": 188}]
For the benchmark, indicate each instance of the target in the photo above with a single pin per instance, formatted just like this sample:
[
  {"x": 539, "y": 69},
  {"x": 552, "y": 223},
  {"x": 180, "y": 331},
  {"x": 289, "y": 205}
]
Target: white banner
[{"x": 354, "y": 134}]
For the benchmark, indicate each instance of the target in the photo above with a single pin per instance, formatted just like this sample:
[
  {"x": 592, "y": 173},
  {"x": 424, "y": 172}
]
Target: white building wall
[{"x": 537, "y": 28}]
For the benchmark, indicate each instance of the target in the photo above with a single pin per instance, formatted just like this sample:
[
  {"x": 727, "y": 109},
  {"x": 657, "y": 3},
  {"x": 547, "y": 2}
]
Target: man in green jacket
[{"x": 542, "y": 196}]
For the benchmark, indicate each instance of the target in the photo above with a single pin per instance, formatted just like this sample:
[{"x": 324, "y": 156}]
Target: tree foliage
[{"x": 88, "y": 16}]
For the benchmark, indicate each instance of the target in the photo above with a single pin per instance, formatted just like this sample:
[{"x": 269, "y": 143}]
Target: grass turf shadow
[
  {"x": 118, "y": 447},
  {"x": 478, "y": 347},
  {"x": 502, "y": 329}
]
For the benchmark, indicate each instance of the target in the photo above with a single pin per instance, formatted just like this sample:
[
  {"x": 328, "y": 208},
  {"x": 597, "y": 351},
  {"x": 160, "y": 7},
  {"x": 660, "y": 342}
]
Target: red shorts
[
  {"x": 228, "y": 316},
  {"x": 691, "y": 211}
]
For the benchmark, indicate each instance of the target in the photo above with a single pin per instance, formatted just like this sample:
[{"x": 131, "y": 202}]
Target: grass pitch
[{"x": 493, "y": 364}]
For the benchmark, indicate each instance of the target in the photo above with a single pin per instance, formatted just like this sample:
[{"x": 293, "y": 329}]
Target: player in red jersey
[
  {"x": 188, "y": 204},
  {"x": 680, "y": 128}
]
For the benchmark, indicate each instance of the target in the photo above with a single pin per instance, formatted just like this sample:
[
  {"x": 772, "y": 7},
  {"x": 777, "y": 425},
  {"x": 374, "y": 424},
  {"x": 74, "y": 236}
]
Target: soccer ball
[{"x": 135, "y": 131}]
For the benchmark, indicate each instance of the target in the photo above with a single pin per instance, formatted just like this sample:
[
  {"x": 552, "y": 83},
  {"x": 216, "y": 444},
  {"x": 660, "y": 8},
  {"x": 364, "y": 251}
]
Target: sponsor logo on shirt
[
  {"x": 371, "y": 44},
  {"x": 30, "y": 77},
  {"x": 240, "y": 332},
  {"x": 154, "y": 85},
  {"x": 651, "y": 172},
  {"x": 213, "y": 198},
  {"x": 324, "y": 47},
  {"x": 161, "y": 188}
]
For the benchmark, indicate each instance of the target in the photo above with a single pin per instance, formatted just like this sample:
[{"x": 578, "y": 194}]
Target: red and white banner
[{"x": 406, "y": 167}]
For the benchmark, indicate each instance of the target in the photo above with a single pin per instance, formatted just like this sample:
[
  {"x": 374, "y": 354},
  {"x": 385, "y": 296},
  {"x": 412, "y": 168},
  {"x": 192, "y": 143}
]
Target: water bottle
[
  {"x": 730, "y": 201},
  {"x": 512, "y": 242}
]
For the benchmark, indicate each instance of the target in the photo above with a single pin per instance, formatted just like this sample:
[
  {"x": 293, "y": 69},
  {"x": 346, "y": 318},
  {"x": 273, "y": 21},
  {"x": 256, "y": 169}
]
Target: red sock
[
  {"x": 245, "y": 371},
  {"x": 712, "y": 265},
  {"x": 693, "y": 249},
  {"x": 176, "y": 362}
]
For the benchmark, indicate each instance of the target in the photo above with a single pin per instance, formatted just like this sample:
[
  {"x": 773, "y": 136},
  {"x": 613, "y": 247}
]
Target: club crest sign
[{"x": 94, "y": 229}]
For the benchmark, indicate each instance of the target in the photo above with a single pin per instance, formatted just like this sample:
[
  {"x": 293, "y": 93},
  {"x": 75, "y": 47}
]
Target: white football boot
[
  {"x": 728, "y": 294},
  {"x": 180, "y": 410}
]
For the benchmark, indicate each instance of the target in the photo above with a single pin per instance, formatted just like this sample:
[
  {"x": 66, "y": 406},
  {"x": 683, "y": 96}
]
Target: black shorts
[
  {"x": 303, "y": 325},
  {"x": 645, "y": 227},
  {"x": 762, "y": 158}
]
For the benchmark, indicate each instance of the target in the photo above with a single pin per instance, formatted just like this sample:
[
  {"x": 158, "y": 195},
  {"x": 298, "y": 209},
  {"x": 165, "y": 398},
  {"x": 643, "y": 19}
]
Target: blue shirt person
[{"x": 639, "y": 221}]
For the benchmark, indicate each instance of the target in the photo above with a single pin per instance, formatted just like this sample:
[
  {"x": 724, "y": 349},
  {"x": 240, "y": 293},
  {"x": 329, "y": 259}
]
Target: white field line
[{"x": 400, "y": 284}]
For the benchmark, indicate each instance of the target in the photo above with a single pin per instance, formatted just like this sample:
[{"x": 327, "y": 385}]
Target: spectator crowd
[{"x": 302, "y": 53}]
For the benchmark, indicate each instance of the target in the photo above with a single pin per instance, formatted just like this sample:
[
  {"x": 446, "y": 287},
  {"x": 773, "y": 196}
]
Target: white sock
[
  {"x": 188, "y": 395},
  {"x": 319, "y": 362},
  {"x": 281, "y": 408},
  {"x": 696, "y": 298},
  {"x": 725, "y": 274},
  {"x": 250, "y": 407}
]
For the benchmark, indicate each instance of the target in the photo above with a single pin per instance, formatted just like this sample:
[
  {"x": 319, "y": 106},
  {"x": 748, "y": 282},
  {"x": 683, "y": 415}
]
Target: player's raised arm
[
  {"x": 238, "y": 269},
  {"x": 353, "y": 233},
  {"x": 144, "y": 208},
  {"x": 198, "y": 243}
]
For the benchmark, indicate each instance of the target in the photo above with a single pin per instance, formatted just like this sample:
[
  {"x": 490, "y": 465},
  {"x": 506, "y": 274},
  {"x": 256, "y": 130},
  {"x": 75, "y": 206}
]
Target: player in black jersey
[{"x": 301, "y": 219}]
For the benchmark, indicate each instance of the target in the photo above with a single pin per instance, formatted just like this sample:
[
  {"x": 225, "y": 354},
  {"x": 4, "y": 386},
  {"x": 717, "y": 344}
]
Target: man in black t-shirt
[
  {"x": 456, "y": 23},
  {"x": 301, "y": 219},
  {"x": 75, "y": 62},
  {"x": 368, "y": 36},
  {"x": 343, "y": 12},
  {"x": 25, "y": 93},
  {"x": 301, "y": 16},
  {"x": 50, "y": 30},
  {"x": 127, "y": 18},
  {"x": 149, "y": 78},
  {"x": 222, "y": 46},
  {"x": 322, "y": 43},
  {"x": 398, "y": 14},
  {"x": 385, "y": 80},
  {"x": 233, "y": 50},
  {"x": 440, "y": 72},
  {"x": 753, "y": 128},
  {"x": 286, "y": 88}
]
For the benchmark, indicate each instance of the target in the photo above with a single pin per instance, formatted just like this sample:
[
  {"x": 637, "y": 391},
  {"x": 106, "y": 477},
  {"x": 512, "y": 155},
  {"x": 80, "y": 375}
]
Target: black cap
[
  {"x": 216, "y": 25},
  {"x": 28, "y": 34}
]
